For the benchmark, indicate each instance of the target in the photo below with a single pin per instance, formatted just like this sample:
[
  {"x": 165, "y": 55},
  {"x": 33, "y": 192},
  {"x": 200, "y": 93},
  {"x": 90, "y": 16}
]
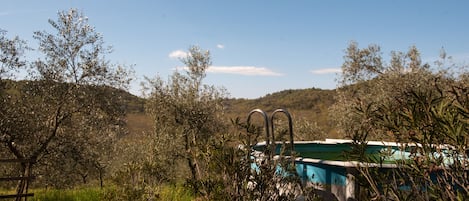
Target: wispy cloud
[
  {"x": 326, "y": 71},
  {"x": 177, "y": 54},
  {"x": 243, "y": 70},
  {"x": 220, "y": 46},
  {"x": 240, "y": 70}
]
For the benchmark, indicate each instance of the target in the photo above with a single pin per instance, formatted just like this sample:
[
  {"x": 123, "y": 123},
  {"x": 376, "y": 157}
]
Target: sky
[{"x": 257, "y": 47}]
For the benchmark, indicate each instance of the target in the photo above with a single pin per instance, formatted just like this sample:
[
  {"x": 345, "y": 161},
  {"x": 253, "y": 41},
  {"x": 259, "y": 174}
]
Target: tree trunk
[
  {"x": 190, "y": 161},
  {"x": 23, "y": 184},
  {"x": 101, "y": 183}
]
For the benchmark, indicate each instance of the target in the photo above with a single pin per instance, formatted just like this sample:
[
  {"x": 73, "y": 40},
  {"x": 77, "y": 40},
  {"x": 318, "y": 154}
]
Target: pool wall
[
  {"x": 329, "y": 180},
  {"x": 321, "y": 164}
]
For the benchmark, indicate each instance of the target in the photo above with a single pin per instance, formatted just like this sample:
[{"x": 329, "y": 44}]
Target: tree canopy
[
  {"x": 414, "y": 104},
  {"x": 64, "y": 114}
]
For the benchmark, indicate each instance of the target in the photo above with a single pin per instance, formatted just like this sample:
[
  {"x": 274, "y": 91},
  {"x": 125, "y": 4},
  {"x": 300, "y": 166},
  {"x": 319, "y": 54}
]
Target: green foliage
[
  {"x": 423, "y": 109},
  {"x": 64, "y": 117},
  {"x": 186, "y": 115},
  {"x": 367, "y": 81}
]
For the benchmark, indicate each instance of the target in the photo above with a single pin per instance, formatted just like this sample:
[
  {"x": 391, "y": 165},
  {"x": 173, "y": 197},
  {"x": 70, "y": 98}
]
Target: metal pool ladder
[{"x": 269, "y": 129}]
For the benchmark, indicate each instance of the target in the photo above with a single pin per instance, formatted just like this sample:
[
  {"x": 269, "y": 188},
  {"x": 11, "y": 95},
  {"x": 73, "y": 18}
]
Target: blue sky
[{"x": 257, "y": 47}]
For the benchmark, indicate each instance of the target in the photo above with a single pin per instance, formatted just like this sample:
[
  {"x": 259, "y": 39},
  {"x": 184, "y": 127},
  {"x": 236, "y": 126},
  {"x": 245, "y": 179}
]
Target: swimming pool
[{"x": 325, "y": 165}]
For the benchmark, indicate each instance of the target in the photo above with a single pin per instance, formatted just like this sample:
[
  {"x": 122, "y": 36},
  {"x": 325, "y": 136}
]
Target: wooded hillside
[
  {"x": 304, "y": 104},
  {"x": 310, "y": 105}
]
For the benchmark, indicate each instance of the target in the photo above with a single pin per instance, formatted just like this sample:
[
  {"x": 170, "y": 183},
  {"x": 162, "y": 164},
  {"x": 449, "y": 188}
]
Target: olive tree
[
  {"x": 416, "y": 105},
  {"x": 367, "y": 80},
  {"x": 11, "y": 60},
  {"x": 186, "y": 115},
  {"x": 67, "y": 109}
]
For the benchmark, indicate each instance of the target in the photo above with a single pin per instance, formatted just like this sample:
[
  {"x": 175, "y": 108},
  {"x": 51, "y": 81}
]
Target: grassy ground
[
  {"x": 166, "y": 192},
  {"x": 174, "y": 193},
  {"x": 90, "y": 194}
]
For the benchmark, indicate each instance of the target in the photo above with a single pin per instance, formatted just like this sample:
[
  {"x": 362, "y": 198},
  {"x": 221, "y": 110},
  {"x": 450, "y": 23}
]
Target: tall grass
[
  {"x": 175, "y": 193},
  {"x": 84, "y": 194},
  {"x": 164, "y": 193}
]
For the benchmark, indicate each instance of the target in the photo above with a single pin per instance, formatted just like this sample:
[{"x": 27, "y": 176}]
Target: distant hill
[
  {"x": 132, "y": 103},
  {"x": 310, "y": 104}
]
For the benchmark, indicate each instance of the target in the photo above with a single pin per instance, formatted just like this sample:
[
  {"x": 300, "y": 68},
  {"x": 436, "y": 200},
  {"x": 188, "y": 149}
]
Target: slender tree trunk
[
  {"x": 189, "y": 157},
  {"x": 191, "y": 161},
  {"x": 23, "y": 184},
  {"x": 101, "y": 183}
]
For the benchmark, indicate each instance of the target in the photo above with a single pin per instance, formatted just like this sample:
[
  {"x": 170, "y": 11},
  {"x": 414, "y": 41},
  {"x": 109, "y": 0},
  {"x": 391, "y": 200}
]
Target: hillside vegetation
[
  {"x": 306, "y": 104},
  {"x": 311, "y": 105}
]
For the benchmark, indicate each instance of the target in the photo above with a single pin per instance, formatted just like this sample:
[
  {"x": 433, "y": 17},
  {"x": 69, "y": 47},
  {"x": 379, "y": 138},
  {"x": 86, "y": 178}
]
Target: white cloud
[
  {"x": 326, "y": 71},
  {"x": 243, "y": 70},
  {"x": 220, "y": 46},
  {"x": 240, "y": 70},
  {"x": 177, "y": 54}
]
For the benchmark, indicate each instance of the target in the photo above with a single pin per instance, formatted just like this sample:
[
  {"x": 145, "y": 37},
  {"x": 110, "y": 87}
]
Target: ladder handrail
[
  {"x": 270, "y": 137},
  {"x": 290, "y": 125},
  {"x": 266, "y": 124}
]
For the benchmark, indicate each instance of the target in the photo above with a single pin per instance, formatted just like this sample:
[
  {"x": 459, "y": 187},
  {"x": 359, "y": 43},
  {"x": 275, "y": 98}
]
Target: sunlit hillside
[{"x": 306, "y": 104}]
